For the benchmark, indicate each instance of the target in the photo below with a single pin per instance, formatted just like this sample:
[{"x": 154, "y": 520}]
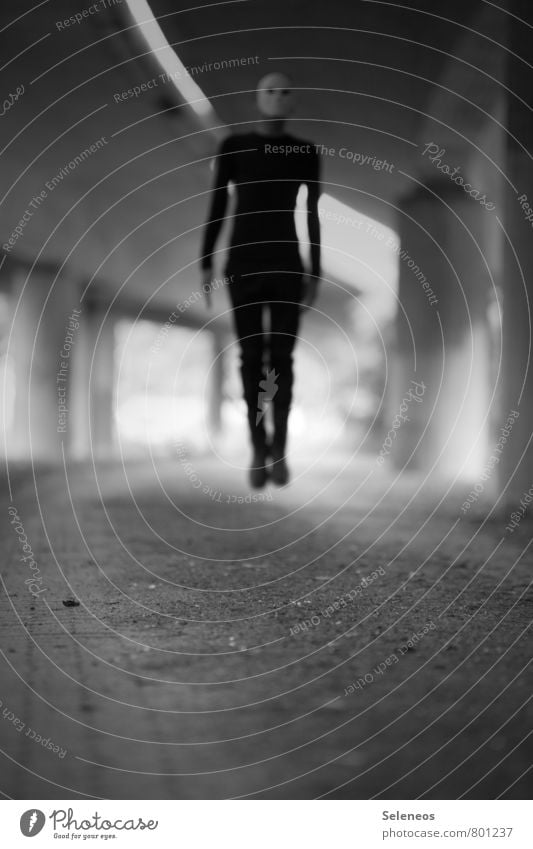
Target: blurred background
[
  {"x": 111, "y": 118},
  {"x": 157, "y": 630}
]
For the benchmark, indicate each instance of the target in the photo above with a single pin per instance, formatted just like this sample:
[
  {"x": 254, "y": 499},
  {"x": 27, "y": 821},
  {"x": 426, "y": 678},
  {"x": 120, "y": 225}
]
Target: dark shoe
[
  {"x": 279, "y": 473},
  {"x": 258, "y": 474}
]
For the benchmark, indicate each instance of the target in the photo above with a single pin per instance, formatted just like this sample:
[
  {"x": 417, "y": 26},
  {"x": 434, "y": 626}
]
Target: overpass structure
[{"x": 112, "y": 113}]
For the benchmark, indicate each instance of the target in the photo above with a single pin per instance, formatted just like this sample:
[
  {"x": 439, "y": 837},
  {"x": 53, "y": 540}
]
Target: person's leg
[
  {"x": 284, "y": 323},
  {"x": 247, "y": 302}
]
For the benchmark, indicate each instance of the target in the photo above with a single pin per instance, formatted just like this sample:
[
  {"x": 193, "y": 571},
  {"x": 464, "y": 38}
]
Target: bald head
[{"x": 274, "y": 96}]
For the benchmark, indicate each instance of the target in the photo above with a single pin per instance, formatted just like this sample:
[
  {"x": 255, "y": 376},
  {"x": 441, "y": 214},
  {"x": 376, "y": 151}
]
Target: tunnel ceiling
[{"x": 130, "y": 216}]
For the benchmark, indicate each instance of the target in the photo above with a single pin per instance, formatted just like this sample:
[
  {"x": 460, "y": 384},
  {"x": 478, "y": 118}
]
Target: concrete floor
[{"x": 182, "y": 672}]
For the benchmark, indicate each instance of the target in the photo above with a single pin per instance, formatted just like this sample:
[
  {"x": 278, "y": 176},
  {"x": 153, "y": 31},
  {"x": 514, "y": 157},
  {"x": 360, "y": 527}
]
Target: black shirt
[{"x": 267, "y": 172}]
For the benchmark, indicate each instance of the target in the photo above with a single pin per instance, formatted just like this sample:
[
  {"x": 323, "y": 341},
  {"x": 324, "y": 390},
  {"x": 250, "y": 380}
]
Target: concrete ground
[{"x": 215, "y": 651}]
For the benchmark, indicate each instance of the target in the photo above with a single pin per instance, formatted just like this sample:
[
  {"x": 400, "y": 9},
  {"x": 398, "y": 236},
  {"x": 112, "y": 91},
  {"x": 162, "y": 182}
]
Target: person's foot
[
  {"x": 279, "y": 472},
  {"x": 258, "y": 474}
]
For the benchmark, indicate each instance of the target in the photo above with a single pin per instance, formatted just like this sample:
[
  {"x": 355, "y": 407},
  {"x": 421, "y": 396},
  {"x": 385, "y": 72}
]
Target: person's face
[{"x": 274, "y": 96}]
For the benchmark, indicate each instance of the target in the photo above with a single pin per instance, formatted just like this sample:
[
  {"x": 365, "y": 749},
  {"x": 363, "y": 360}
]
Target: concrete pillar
[
  {"x": 516, "y": 466},
  {"x": 43, "y": 336},
  {"x": 443, "y": 343},
  {"x": 7, "y": 383},
  {"x": 216, "y": 385},
  {"x": 93, "y": 386}
]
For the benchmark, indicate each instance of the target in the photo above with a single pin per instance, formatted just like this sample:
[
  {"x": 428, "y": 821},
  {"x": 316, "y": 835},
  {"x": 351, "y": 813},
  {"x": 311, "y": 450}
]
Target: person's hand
[
  {"x": 310, "y": 292},
  {"x": 207, "y": 276}
]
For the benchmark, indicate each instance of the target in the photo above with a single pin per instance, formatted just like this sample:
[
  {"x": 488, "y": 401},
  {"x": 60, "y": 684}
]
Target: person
[{"x": 267, "y": 166}]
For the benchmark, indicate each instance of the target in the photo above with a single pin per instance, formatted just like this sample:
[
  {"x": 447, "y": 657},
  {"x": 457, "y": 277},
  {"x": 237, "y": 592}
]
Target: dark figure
[{"x": 267, "y": 168}]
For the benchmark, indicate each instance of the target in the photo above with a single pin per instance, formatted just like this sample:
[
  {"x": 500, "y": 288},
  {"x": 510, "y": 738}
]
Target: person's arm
[
  {"x": 217, "y": 208},
  {"x": 313, "y": 228},
  {"x": 313, "y": 222}
]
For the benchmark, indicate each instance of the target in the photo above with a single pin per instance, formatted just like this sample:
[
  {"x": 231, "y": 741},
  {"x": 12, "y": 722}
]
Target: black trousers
[{"x": 267, "y": 352}]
